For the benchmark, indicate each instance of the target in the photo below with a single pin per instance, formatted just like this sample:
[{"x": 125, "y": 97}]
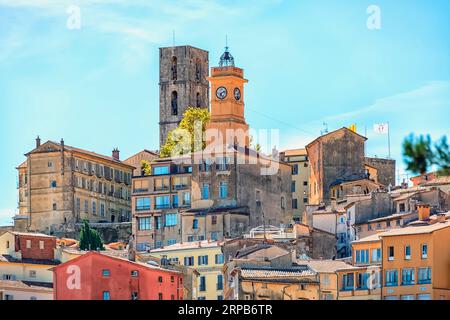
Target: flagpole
[{"x": 389, "y": 140}]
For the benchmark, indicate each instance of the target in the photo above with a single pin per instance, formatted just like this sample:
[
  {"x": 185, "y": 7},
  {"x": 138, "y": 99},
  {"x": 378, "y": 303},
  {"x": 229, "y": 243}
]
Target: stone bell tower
[{"x": 183, "y": 72}]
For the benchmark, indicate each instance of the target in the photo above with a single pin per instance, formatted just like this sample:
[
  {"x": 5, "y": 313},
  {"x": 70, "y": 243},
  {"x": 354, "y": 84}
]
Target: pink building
[{"x": 96, "y": 276}]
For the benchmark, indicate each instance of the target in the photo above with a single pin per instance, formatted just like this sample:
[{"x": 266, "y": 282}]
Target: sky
[{"x": 310, "y": 65}]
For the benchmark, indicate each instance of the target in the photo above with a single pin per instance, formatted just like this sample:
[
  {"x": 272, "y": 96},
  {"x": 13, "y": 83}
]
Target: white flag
[{"x": 382, "y": 128}]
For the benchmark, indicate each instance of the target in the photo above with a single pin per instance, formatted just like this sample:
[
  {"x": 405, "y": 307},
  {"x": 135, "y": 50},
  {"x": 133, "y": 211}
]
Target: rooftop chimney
[
  {"x": 424, "y": 212},
  {"x": 38, "y": 142},
  {"x": 62, "y": 144},
  {"x": 116, "y": 154}
]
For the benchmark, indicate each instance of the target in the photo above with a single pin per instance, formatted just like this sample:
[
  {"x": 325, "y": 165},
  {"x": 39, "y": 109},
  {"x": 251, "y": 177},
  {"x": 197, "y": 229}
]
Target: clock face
[
  {"x": 221, "y": 93},
  {"x": 237, "y": 94}
]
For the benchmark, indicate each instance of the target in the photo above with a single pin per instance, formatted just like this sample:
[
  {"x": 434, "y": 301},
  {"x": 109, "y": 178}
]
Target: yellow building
[
  {"x": 206, "y": 257},
  {"x": 298, "y": 159},
  {"x": 415, "y": 260},
  {"x": 61, "y": 185},
  {"x": 342, "y": 281}
]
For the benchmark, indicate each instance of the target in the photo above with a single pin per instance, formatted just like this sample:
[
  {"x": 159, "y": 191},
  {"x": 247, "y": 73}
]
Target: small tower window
[
  {"x": 174, "y": 68},
  {"x": 198, "y": 70},
  {"x": 174, "y": 103},
  {"x": 198, "y": 99},
  {"x": 54, "y": 207}
]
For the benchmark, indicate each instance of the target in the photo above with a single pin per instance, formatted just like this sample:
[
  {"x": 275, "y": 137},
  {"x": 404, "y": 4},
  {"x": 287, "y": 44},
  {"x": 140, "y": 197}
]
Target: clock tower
[{"x": 227, "y": 101}]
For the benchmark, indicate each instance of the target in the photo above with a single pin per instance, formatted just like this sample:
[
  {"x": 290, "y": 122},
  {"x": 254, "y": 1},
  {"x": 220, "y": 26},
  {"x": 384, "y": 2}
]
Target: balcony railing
[{"x": 162, "y": 206}]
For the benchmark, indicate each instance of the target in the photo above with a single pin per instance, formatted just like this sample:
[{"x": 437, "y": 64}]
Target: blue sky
[{"x": 308, "y": 62}]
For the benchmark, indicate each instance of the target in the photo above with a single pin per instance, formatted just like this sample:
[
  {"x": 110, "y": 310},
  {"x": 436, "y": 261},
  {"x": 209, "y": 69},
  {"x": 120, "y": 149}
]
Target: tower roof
[{"x": 226, "y": 59}]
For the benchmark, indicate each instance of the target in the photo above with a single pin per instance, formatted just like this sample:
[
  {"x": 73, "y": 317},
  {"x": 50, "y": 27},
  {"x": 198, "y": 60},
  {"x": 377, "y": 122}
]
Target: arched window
[
  {"x": 174, "y": 68},
  {"x": 198, "y": 99},
  {"x": 198, "y": 70},
  {"x": 174, "y": 103}
]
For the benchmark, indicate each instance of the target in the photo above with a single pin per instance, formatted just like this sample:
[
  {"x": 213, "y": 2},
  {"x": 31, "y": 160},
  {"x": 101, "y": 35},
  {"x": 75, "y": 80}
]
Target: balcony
[
  {"x": 142, "y": 208},
  {"x": 140, "y": 190},
  {"x": 162, "y": 206}
]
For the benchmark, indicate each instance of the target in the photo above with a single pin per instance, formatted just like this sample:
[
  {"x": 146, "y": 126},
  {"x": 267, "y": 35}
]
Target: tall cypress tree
[{"x": 89, "y": 238}]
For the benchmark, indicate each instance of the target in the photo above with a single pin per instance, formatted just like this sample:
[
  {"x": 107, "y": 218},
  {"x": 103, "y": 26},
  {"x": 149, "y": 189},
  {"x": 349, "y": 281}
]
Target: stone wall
[
  {"x": 385, "y": 170},
  {"x": 109, "y": 232}
]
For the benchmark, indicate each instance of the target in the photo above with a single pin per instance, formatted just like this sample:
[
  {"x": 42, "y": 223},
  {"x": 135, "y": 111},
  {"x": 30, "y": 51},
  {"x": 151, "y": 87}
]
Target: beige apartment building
[
  {"x": 60, "y": 185},
  {"x": 298, "y": 159}
]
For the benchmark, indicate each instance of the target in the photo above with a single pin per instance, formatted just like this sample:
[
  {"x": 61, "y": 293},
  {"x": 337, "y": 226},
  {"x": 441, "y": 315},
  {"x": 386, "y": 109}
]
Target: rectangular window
[
  {"x": 160, "y": 296},
  {"x": 105, "y": 272},
  {"x": 175, "y": 201},
  {"x": 171, "y": 219},
  {"x": 376, "y": 255},
  {"x": 86, "y": 206},
  {"x": 283, "y": 203},
  {"x": 195, "y": 224},
  {"x": 189, "y": 261},
  {"x": 223, "y": 190},
  {"x": 162, "y": 184},
  {"x": 424, "y": 276},
  {"x": 391, "y": 278},
  {"x": 145, "y": 223},
  {"x": 158, "y": 244},
  {"x": 205, "y": 192},
  {"x": 362, "y": 256},
  {"x": 162, "y": 202},
  {"x": 219, "y": 258},
  {"x": 106, "y": 295},
  {"x": 94, "y": 207},
  {"x": 408, "y": 252},
  {"x": 347, "y": 281},
  {"x": 213, "y": 220},
  {"x": 161, "y": 170},
  {"x": 140, "y": 186},
  {"x": 202, "y": 284},
  {"x": 407, "y": 277},
  {"x": 424, "y": 251},
  {"x": 305, "y": 200},
  {"x": 171, "y": 242},
  {"x": 157, "y": 223},
  {"x": 53, "y": 184},
  {"x": 295, "y": 169},
  {"x": 142, "y": 204},
  {"x": 180, "y": 183},
  {"x": 214, "y": 236},
  {"x": 294, "y": 204},
  {"x": 32, "y": 274},
  {"x": 28, "y": 244},
  {"x": 41, "y": 245},
  {"x": 391, "y": 253},
  {"x": 363, "y": 279},
  {"x": 203, "y": 260},
  {"x": 102, "y": 209},
  {"x": 134, "y": 273},
  {"x": 293, "y": 186},
  {"x": 186, "y": 198},
  {"x": 219, "y": 282}
]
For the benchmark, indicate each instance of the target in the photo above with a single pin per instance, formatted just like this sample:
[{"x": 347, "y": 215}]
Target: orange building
[
  {"x": 227, "y": 102},
  {"x": 415, "y": 260}
]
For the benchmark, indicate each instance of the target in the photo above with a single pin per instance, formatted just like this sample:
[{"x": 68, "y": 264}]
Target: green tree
[
  {"x": 418, "y": 154},
  {"x": 442, "y": 157},
  {"x": 89, "y": 238},
  {"x": 191, "y": 117},
  {"x": 146, "y": 168}
]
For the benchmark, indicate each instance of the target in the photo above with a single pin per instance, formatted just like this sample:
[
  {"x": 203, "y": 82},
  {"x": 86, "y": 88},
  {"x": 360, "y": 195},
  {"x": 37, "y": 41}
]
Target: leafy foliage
[
  {"x": 146, "y": 168},
  {"x": 192, "y": 116},
  {"x": 442, "y": 157},
  {"x": 89, "y": 238},
  {"x": 419, "y": 155}
]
